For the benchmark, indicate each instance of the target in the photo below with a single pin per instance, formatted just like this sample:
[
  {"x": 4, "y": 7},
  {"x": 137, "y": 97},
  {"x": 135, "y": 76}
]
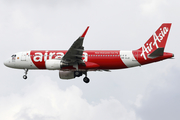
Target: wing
[{"x": 73, "y": 56}]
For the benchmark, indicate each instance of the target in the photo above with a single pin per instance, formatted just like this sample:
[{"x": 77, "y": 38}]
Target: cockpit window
[{"x": 13, "y": 56}]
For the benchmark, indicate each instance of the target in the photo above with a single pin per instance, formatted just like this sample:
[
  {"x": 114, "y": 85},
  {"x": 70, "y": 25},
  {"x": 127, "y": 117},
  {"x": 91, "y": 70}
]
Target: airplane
[{"x": 76, "y": 61}]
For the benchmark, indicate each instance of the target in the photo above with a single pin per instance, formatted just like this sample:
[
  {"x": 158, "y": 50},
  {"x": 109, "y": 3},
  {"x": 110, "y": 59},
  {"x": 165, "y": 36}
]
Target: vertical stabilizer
[{"x": 157, "y": 40}]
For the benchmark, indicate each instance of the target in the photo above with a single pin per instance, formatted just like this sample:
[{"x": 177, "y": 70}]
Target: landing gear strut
[
  {"x": 25, "y": 76},
  {"x": 86, "y": 79}
]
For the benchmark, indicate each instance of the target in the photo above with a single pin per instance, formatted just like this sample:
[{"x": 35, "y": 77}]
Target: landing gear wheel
[
  {"x": 24, "y": 76},
  {"x": 77, "y": 73},
  {"x": 86, "y": 79}
]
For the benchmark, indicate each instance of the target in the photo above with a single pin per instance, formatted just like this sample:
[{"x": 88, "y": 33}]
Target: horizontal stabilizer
[{"x": 158, "y": 52}]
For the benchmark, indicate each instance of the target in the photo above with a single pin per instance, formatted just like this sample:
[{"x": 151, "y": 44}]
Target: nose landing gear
[{"x": 25, "y": 76}]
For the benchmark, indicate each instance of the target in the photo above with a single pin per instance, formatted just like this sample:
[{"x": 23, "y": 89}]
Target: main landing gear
[
  {"x": 86, "y": 79},
  {"x": 80, "y": 73},
  {"x": 25, "y": 76}
]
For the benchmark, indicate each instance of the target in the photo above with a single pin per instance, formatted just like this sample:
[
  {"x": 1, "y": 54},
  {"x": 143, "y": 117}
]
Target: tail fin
[{"x": 157, "y": 40}]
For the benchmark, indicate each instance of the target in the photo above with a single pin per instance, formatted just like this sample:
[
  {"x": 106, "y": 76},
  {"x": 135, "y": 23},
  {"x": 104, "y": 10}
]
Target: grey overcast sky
[{"x": 150, "y": 92}]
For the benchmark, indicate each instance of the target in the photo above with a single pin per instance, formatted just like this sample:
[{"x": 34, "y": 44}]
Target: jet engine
[{"x": 69, "y": 74}]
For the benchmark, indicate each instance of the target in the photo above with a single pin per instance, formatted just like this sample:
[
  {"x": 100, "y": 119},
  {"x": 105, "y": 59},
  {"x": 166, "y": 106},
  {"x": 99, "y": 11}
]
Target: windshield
[{"x": 13, "y": 57}]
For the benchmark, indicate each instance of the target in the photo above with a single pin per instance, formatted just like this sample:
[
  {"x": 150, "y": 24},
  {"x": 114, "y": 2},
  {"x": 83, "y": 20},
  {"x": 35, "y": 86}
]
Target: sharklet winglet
[{"x": 83, "y": 35}]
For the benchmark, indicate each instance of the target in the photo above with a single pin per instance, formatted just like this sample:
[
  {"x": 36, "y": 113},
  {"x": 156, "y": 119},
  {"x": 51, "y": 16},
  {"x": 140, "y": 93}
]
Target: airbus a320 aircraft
[{"x": 76, "y": 61}]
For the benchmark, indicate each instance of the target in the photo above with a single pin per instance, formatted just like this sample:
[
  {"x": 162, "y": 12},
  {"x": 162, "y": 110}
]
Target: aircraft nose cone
[{"x": 6, "y": 63}]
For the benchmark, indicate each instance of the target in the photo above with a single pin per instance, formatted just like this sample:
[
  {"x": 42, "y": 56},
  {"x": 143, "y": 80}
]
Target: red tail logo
[{"x": 158, "y": 39}]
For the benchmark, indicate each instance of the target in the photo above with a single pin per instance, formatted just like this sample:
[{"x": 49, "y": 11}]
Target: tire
[
  {"x": 86, "y": 80},
  {"x": 24, "y": 76},
  {"x": 77, "y": 73}
]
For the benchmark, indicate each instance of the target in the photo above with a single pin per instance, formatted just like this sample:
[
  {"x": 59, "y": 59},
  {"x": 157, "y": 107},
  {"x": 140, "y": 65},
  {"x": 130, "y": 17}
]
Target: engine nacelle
[
  {"x": 66, "y": 74},
  {"x": 69, "y": 74},
  {"x": 53, "y": 64}
]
